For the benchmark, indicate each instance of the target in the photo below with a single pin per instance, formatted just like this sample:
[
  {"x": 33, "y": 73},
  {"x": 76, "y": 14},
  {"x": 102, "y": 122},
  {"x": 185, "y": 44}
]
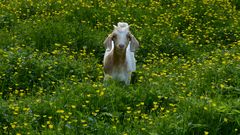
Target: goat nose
[{"x": 121, "y": 45}]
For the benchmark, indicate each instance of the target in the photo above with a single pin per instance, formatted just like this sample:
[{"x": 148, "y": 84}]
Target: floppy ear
[
  {"x": 108, "y": 42},
  {"x": 134, "y": 43}
]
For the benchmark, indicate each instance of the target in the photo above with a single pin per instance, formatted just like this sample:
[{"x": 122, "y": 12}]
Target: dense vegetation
[{"x": 187, "y": 79}]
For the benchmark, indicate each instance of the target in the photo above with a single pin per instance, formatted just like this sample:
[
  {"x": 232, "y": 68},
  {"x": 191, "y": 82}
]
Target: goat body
[{"x": 119, "y": 61}]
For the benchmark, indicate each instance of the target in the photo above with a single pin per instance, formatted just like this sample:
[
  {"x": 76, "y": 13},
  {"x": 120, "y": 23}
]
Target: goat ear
[
  {"x": 134, "y": 43},
  {"x": 108, "y": 42}
]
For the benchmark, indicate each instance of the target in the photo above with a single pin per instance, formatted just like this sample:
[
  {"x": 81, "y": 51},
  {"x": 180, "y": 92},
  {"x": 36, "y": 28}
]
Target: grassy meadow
[{"x": 187, "y": 79}]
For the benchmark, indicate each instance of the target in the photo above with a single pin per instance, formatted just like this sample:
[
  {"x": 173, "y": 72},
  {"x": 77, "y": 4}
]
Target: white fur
[
  {"x": 119, "y": 73},
  {"x": 123, "y": 70}
]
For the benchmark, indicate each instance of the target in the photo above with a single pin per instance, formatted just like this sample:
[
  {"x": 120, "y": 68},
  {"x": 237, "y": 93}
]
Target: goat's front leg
[
  {"x": 128, "y": 78},
  {"x": 106, "y": 78}
]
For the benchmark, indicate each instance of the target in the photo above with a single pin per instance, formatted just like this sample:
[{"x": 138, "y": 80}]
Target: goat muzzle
[{"x": 121, "y": 46}]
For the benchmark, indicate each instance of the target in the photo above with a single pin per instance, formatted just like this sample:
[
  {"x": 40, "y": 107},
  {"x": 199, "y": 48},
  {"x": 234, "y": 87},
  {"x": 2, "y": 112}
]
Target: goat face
[{"x": 121, "y": 37}]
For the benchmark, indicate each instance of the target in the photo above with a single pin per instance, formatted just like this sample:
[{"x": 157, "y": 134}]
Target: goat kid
[{"x": 119, "y": 61}]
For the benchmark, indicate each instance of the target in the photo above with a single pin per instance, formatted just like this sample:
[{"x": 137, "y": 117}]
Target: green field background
[{"x": 188, "y": 68}]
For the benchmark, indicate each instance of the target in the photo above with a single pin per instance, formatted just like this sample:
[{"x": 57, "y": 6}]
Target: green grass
[{"x": 187, "y": 78}]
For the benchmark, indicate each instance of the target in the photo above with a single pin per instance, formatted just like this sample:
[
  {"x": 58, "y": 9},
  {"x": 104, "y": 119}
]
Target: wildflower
[
  {"x": 57, "y": 44},
  {"x": 13, "y": 125},
  {"x": 225, "y": 120},
  {"x": 26, "y": 109},
  {"x": 101, "y": 93},
  {"x": 222, "y": 86},
  {"x": 174, "y": 109},
  {"x": 21, "y": 94},
  {"x": 206, "y": 132},
  {"x": 224, "y": 62},
  {"x": 50, "y": 126},
  {"x": 55, "y": 52},
  {"x": 60, "y": 111},
  {"x": 5, "y": 128},
  {"x": 238, "y": 42},
  {"x": 94, "y": 113},
  {"x": 94, "y": 85},
  {"x": 162, "y": 108},
  {"x": 143, "y": 129},
  {"x": 189, "y": 94}
]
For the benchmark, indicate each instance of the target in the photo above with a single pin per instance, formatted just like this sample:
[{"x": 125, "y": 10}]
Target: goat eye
[
  {"x": 114, "y": 36},
  {"x": 129, "y": 37}
]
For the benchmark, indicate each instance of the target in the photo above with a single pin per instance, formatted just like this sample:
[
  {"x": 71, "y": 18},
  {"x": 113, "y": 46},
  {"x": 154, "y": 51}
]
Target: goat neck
[{"x": 119, "y": 56}]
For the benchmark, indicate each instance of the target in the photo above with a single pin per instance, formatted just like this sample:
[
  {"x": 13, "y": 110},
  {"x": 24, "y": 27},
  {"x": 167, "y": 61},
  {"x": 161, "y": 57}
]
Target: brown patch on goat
[{"x": 116, "y": 59}]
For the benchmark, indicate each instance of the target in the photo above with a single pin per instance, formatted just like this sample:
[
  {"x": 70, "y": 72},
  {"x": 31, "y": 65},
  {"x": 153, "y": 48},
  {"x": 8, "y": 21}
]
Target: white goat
[{"x": 119, "y": 61}]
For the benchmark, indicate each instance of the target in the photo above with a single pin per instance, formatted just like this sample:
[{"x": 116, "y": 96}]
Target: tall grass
[{"x": 187, "y": 78}]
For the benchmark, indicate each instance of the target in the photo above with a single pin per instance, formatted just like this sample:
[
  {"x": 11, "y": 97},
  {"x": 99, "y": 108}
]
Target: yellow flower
[
  {"x": 83, "y": 121},
  {"x": 60, "y": 111},
  {"x": 101, "y": 93},
  {"x": 225, "y": 120},
  {"x": 222, "y": 86},
  {"x": 4, "y": 128},
  {"x": 143, "y": 129},
  {"x": 13, "y": 125},
  {"x": 50, "y": 126}
]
